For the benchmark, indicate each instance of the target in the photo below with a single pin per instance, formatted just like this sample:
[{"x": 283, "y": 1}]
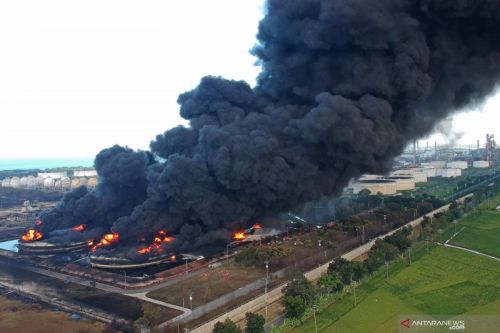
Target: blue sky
[{"x": 81, "y": 76}]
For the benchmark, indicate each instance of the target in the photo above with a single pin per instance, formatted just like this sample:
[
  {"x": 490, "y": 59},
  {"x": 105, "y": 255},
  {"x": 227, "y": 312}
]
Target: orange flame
[
  {"x": 107, "y": 240},
  {"x": 80, "y": 227},
  {"x": 160, "y": 238},
  {"x": 239, "y": 236},
  {"x": 257, "y": 226},
  {"x": 31, "y": 235},
  {"x": 173, "y": 257},
  {"x": 90, "y": 243}
]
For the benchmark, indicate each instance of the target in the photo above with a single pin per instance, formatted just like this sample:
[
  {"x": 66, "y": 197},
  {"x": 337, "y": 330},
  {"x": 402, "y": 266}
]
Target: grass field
[
  {"x": 481, "y": 232},
  {"x": 209, "y": 285},
  {"x": 19, "y": 317},
  {"x": 443, "y": 281}
]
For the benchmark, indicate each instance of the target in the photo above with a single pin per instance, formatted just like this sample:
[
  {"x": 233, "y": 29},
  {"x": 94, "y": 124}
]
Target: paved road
[{"x": 471, "y": 251}]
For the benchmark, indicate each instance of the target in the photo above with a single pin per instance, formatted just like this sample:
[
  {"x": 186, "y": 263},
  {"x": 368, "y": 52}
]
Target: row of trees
[
  {"x": 254, "y": 324},
  {"x": 299, "y": 293}
]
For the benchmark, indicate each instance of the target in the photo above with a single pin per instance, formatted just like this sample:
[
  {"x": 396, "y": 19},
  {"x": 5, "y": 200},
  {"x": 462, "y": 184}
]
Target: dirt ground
[{"x": 19, "y": 317}]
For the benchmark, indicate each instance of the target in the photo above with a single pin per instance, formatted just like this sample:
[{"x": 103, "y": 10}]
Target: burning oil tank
[
  {"x": 122, "y": 262},
  {"x": 34, "y": 242},
  {"x": 47, "y": 248}
]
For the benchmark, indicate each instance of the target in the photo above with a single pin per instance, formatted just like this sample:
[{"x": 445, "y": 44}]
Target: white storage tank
[
  {"x": 31, "y": 182},
  {"x": 85, "y": 173},
  {"x": 53, "y": 175},
  {"x": 419, "y": 176},
  {"x": 430, "y": 172},
  {"x": 39, "y": 182},
  {"x": 375, "y": 186},
  {"x": 92, "y": 182},
  {"x": 457, "y": 165},
  {"x": 65, "y": 183},
  {"x": 451, "y": 173},
  {"x": 23, "y": 182},
  {"x": 481, "y": 164},
  {"x": 49, "y": 183},
  {"x": 83, "y": 181},
  {"x": 403, "y": 183},
  {"x": 436, "y": 164},
  {"x": 15, "y": 182},
  {"x": 75, "y": 182},
  {"x": 6, "y": 182}
]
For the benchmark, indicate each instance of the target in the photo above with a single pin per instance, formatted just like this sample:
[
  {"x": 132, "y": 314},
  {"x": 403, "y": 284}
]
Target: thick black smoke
[
  {"x": 122, "y": 185},
  {"x": 345, "y": 85}
]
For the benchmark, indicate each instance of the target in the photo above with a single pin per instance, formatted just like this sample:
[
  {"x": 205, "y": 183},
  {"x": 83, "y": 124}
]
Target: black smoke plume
[
  {"x": 345, "y": 85},
  {"x": 122, "y": 185}
]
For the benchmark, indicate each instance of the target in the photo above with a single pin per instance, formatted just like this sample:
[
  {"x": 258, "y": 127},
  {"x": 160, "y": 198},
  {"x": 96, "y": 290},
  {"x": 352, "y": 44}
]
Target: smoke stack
[{"x": 345, "y": 87}]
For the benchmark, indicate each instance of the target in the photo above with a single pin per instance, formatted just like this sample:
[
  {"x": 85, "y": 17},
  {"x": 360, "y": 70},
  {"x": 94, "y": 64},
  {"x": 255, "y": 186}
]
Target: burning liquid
[
  {"x": 80, "y": 227},
  {"x": 239, "y": 236},
  {"x": 107, "y": 240},
  {"x": 160, "y": 238},
  {"x": 31, "y": 235},
  {"x": 256, "y": 226}
]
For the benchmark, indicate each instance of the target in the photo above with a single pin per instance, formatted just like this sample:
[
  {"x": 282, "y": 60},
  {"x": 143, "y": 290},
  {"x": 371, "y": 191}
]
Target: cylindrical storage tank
[
  {"x": 430, "y": 172},
  {"x": 92, "y": 182},
  {"x": 403, "y": 183},
  {"x": 85, "y": 173},
  {"x": 451, "y": 173},
  {"x": 6, "y": 182},
  {"x": 83, "y": 181},
  {"x": 369, "y": 177},
  {"x": 438, "y": 164},
  {"x": 481, "y": 164},
  {"x": 15, "y": 182},
  {"x": 57, "y": 185},
  {"x": 53, "y": 175},
  {"x": 375, "y": 186},
  {"x": 40, "y": 181},
  {"x": 65, "y": 183},
  {"x": 457, "y": 165},
  {"x": 419, "y": 176},
  {"x": 75, "y": 182},
  {"x": 49, "y": 183},
  {"x": 23, "y": 182},
  {"x": 31, "y": 182}
]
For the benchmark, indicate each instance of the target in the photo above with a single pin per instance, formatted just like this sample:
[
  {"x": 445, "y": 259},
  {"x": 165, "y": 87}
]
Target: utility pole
[
  {"x": 267, "y": 278},
  {"x": 409, "y": 254},
  {"x": 314, "y": 308}
]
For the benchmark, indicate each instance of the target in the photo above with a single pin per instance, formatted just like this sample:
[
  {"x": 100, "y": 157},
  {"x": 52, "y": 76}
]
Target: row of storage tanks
[
  {"x": 53, "y": 181},
  {"x": 406, "y": 178}
]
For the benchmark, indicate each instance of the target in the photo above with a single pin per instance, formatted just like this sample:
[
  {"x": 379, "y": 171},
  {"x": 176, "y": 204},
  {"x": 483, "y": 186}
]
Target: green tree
[
  {"x": 228, "y": 326},
  {"x": 255, "y": 323},
  {"x": 151, "y": 315},
  {"x": 300, "y": 287},
  {"x": 295, "y": 306},
  {"x": 330, "y": 283}
]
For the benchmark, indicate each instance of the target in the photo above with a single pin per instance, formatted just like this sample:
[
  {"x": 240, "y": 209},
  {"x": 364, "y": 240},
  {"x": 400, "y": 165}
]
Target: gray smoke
[{"x": 345, "y": 85}]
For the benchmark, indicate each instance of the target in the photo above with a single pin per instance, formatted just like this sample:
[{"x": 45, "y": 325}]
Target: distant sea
[{"x": 45, "y": 163}]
